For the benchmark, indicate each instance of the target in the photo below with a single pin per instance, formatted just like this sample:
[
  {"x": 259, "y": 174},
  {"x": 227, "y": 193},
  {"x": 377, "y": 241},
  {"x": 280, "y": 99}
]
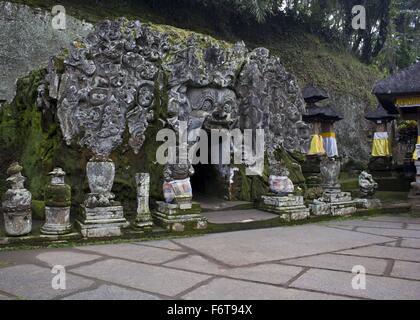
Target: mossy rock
[{"x": 38, "y": 210}]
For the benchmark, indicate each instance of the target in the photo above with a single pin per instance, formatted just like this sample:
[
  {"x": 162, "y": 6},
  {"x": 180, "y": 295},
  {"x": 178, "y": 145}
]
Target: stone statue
[
  {"x": 17, "y": 204},
  {"x": 367, "y": 185}
]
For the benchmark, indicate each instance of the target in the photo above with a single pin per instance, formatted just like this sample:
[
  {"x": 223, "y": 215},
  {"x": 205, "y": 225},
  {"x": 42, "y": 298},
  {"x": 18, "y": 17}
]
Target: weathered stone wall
[{"x": 28, "y": 40}]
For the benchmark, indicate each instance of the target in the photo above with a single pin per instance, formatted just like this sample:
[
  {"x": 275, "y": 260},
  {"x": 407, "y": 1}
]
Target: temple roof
[
  {"x": 380, "y": 114},
  {"x": 401, "y": 84},
  {"x": 316, "y": 113},
  {"x": 312, "y": 94}
]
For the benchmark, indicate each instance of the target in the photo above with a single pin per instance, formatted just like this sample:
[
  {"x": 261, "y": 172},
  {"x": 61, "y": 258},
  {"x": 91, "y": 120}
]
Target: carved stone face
[{"x": 218, "y": 106}]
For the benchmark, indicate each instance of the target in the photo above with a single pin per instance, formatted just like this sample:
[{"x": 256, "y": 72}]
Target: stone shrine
[{"x": 400, "y": 93}]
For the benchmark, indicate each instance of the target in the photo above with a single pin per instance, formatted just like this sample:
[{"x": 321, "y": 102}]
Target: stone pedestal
[
  {"x": 289, "y": 208},
  {"x": 333, "y": 203},
  {"x": 179, "y": 217},
  {"x": 143, "y": 220},
  {"x": 16, "y": 204},
  {"x": 57, "y": 221},
  {"x": 101, "y": 216},
  {"x": 101, "y": 222},
  {"x": 57, "y": 205},
  {"x": 414, "y": 195}
]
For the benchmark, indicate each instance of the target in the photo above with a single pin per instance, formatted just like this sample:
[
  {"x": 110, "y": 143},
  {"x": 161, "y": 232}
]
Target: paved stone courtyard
[{"x": 304, "y": 262}]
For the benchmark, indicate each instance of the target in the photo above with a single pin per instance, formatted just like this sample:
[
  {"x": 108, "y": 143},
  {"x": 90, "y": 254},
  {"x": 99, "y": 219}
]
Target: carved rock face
[
  {"x": 218, "y": 106},
  {"x": 111, "y": 80}
]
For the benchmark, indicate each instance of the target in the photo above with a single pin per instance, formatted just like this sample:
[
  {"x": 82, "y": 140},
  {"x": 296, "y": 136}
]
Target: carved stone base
[
  {"x": 144, "y": 223},
  {"x": 290, "y": 208},
  {"x": 18, "y": 223},
  {"x": 368, "y": 203},
  {"x": 179, "y": 217},
  {"x": 101, "y": 222},
  {"x": 335, "y": 204},
  {"x": 57, "y": 221}
]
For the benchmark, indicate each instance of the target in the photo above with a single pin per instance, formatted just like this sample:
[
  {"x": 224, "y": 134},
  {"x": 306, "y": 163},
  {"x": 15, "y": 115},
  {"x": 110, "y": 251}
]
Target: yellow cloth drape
[
  {"x": 328, "y": 135},
  {"x": 409, "y": 101},
  {"x": 415, "y": 155},
  {"x": 317, "y": 146},
  {"x": 381, "y": 145}
]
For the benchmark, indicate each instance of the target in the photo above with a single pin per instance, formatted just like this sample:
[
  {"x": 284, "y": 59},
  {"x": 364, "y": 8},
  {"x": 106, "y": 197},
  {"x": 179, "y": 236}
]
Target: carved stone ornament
[{"x": 16, "y": 204}]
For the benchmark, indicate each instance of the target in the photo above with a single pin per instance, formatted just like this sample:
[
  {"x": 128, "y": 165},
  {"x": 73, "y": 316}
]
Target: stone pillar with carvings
[
  {"x": 57, "y": 205},
  {"x": 16, "y": 204},
  {"x": 144, "y": 219}
]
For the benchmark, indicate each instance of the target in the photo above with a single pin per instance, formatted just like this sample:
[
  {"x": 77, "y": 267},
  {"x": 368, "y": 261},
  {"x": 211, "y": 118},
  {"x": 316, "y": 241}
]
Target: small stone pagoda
[
  {"x": 381, "y": 156},
  {"x": 400, "y": 93}
]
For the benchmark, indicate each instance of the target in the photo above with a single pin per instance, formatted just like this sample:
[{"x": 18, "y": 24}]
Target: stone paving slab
[
  {"x": 65, "y": 258},
  {"x": 386, "y": 252},
  {"x": 238, "y": 216},
  {"x": 341, "y": 263},
  {"x": 145, "y": 254},
  {"x": 3, "y": 297},
  {"x": 34, "y": 282},
  {"x": 153, "y": 279},
  {"x": 403, "y": 269},
  {"x": 198, "y": 264},
  {"x": 268, "y": 273},
  {"x": 256, "y": 246},
  {"x": 368, "y": 223},
  {"x": 411, "y": 243},
  {"x": 111, "y": 292},
  {"x": 164, "y": 244},
  {"x": 379, "y": 288},
  {"x": 413, "y": 227},
  {"x": 391, "y": 232},
  {"x": 396, "y": 218},
  {"x": 227, "y": 289}
]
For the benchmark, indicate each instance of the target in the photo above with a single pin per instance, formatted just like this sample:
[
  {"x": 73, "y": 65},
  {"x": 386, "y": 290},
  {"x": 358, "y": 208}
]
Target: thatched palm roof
[
  {"x": 380, "y": 114},
  {"x": 316, "y": 113},
  {"x": 401, "y": 84},
  {"x": 312, "y": 94}
]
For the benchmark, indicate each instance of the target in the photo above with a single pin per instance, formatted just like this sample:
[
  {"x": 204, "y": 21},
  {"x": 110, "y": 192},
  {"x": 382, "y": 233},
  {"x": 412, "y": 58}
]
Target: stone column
[
  {"x": 17, "y": 204},
  {"x": 57, "y": 205},
  {"x": 144, "y": 218}
]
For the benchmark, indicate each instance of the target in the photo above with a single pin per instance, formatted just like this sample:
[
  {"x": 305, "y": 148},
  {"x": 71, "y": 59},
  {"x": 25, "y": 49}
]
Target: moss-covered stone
[{"x": 38, "y": 210}]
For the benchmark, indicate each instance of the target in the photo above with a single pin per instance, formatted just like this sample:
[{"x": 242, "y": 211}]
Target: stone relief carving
[
  {"x": 110, "y": 80},
  {"x": 108, "y": 83}
]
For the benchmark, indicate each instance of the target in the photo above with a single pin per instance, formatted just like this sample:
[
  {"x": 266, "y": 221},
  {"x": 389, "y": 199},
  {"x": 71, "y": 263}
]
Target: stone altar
[{"x": 16, "y": 204}]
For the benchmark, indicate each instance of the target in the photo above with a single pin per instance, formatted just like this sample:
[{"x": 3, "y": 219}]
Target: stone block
[
  {"x": 101, "y": 222},
  {"x": 174, "y": 217},
  {"x": 290, "y": 208},
  {"x": 57, "y": 221}
]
